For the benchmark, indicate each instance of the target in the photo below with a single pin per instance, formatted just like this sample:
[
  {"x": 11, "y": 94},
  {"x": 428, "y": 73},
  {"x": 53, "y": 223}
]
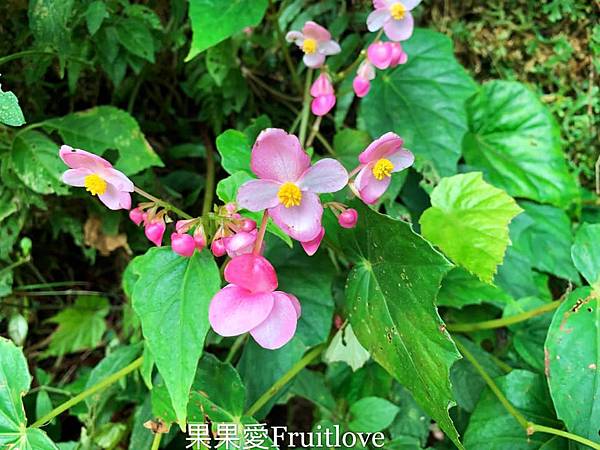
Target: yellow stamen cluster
[
  {"x": 309, "y": 46},
  {"x": 94, "y": 184},
  {"x": 398, "y": 10},
  {"x": 289, "y": 195},
  {"x": 382, "y": 168}
]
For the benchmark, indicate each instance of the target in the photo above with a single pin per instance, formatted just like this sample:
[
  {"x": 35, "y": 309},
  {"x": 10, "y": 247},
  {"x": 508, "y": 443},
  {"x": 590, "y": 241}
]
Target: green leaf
[
  {"x": 468, "y": 220},
  {"x": 390, "y": 292},
  {"x": 228, "y": 187},
  {"x": 171, "y": 297},
  {"x": 372, "y": 414},
  {"x": 214, "y": 21},
  {"x": 515, "y": 141},
  {"x": 543, "y": 235},
  {"x": 492, "y": 427},
  {"x": 136, "y": 37},
  {"x": 460, "y": 288},
  {"x": 411, "y": 422},
  {"x": 585, "y": 253},
  {"x": 48, "y": 22},
  {"x": 234, "y": 148},
  {"x": 95, "y": 15},
  {"x": 573, "y": 362},
  {"x": 423, "y": 101},
  {"x": 106, "y": 127},
  {"x": 348, "y": 144},
  {"x": 346, "y": 348},
  {"x": 80, "y": 327},
  {"x": 10, "y": 111},
  {"x": 14, "y": 384},
  {"x": 311, "y": 385},
  {"x": 37, "y": 164}
]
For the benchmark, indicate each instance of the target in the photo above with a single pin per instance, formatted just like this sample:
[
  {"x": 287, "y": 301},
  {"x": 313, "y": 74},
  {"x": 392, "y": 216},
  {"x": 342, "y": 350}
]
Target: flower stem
[
  {"x": 261, "y": 233},
  {"x": 313, "y": 131},
  {"x": 237, "y": 344},
  {"x": 14, "y": 265},
  {"x": 499, "y": 323},
  {"x": 324, "y": 143},
  {"x": 286, "y": 55},
  {"x": 285, "y": 378},
  {"x": 164, "y": 204},
  {"x": 305, "y": 107},
  {"x": 209, "y": 187},
  {"x": 534, "y": 427},
  {"x": 88, "y": 392},
  {"x": 156, "y": 441}
]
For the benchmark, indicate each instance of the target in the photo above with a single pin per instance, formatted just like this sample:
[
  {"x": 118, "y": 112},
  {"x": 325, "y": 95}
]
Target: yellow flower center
[
  {"x": 289, "y": 195},
  {"x": 309, "y": 46},
  {"x": 94, "y": 184},
  {"x": 397, "y": 10},
  {"x": 382, "y": 168}
]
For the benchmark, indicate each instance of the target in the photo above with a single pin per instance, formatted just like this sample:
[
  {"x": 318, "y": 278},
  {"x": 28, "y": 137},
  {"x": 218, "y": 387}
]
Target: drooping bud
[
  {"x": 182, "y": 226},
  {"x": 399, "y": 56},
  {"x": 380, "y": 54},
  {"x": 199, "y": 237},
  {"x": 155, "y": 230},
  {"x": 136, "y": 215},
  {"x": 218, "y": 247},
  {"x": 183, "y": 244},
  {"x": 324, "y": 95},
  {"x": 322, "y": 86},
  {"x": 348, "y": 218},
  {"x": 361, "y": 86},
  {"x": 248, "y": 225},
  {"x": 322, "y": 105}
]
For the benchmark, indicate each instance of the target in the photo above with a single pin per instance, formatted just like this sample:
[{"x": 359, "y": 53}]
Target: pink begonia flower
[
  {"x": 240, "y": 243},
  {"x": 218, "y": 247},
  {"x": 98, "y": 177},
  {"x": 311, "y": 247},
  {"x": 155, "y": 230},
  {"x": 136, "y": 215},
  {"x": 348, "y": 218},
  {"x": 251, "y": 304},
  {"x": 380, "y": 159},
  {"x": 395, "y": 18},
  {"x": 380, "y": 54},
  {"x": 316, "y": 43},
  {"x": 324, "y": 95},
  {"x": 288, "y": 186},
  {"x": 248, "y": 225},
  {"x": 183, "y": 244},
  {"x": 362, "y": 82},
  {"x": 399, "y": 56}
]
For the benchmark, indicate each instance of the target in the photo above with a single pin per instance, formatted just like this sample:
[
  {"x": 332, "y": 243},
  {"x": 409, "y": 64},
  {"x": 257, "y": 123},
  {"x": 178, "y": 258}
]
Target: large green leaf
[
  {"x": 14, "y": 384},
  {"x": 515, "y": 141},
  {"x": 49, "y": 21},
  {"x": 10, "y": 111},
  {"x": 171, "y": 297},
  {"x": 460, "y": 288},
  {"x": 37, "y": 164},
  {"x": 215, "y": 20},
  {"x": 234, "y": 148},
  {"x": 468, "y": 220},
  {"x": 106, "y": 127},
  {"x": 371, "y": 414},
  {"x": 586, "y": 253},
  {"x": 423, "y": 101},
  {"x": 390, "y": 292},
  {"x": 491, "y": 427},
  {"x": 573, "y": 363}
]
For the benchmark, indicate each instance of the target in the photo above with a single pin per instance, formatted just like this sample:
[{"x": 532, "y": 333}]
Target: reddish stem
[{"x": 261, "y": 233}]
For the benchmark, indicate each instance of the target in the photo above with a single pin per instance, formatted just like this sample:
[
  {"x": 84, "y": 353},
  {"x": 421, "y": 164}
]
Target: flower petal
[
  {"x": 234, "y": 310},
  {"x": 327, "y": 175},
  {"x": 399, "y": 30},
  {"x": 315, "y": 31},
  {"x": 80, "y": 159},
  {"x": 118, "y": 179},
  {"x": 112, "y": 198},
  {"x": 401, "y": 159},
  {"x": 311, "y": 247},
  {"x": 252, "y": 272},
  {"x": 280, "y": 326},
  {"x": 240, "y": 243},
  {"x": 296, "y": 37},
  {"x": 369, "y": 187},
  {"x": 381, "y": 147},
  {"x": 302, "y": 222},
  {"x": 329, "y": 47},
  {"x": 75, "y": 177},
  {"x": 377, "y": 19},
  {"x": 313, "y": 60},
  {"x": 295, "y": 302},
  {"x": 411, "y": 4},
  {"x": 278, "y": 156},
  {"x": 125, "y": 200},
  {"x": 256, "y": 195}
]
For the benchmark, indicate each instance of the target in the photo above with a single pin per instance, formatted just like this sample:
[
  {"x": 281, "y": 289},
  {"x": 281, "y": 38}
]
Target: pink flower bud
[
  {"x": 322, "y": 105},
  {"x": 136, "y": 215},
  {"x": 361, "y": 86},
  {"x": 199, "y": 238},
  {"x": 248, "y": 225},
  {"x": 154, "y": 231},
  {"x": 380, "y": 54},
  {"x": 348, "y": 218},
  {"x": 218, "y": 247},
  {"x": 182, "y": 226},
  {"x": 398, "y": 55},
  {"x": 230, "y": 208},
  {"x": 183, "y": 244},
  {"x": 322, "y": 86}
]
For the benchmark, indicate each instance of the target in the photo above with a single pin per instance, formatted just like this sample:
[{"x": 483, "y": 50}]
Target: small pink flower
[
  {"x": 379, "y": 160},
  {"x": 136, "y": 215},
  {"x": 251, "y": 304},
  {"x": 200, "y": 237},
  {"x": 248, "y": 225},
  {"x": 98, "y": 177},
  {"x": 155, "y": 230},
  {"x": 399, "y": 56},
  {"x": 218, "y": 247},
  {"x": 183, "y": 244},
  {"x": 395, "y": 18},
  {"x": 362, "y": 81},
  {"x": 316, "y": 43},
  {"x": 324, "y": 95},
  {"x": 288, "y": 186},
  {"x": 240, "y": 243},
  {"x": 348, "y": 218},
  {"x": 311, "y": 247},
  {"x": 380, "y": 54}
]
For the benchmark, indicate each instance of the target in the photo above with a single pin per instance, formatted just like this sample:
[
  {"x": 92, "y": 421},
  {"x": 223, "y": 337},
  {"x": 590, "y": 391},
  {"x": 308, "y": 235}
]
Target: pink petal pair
[
  {"x": 240, "y": 243},
  {"x": 98, "y": 176},
  {"x": 251, "y": 304},
  {"x": 379, "y": 160},
  {"x": 316, "y": 43},
  {"x": 288, "y": 186},
  {"x": 386, "y": 54},
  {"x": 324, "y": 95},
  {"x": 394, "y": 17}
]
